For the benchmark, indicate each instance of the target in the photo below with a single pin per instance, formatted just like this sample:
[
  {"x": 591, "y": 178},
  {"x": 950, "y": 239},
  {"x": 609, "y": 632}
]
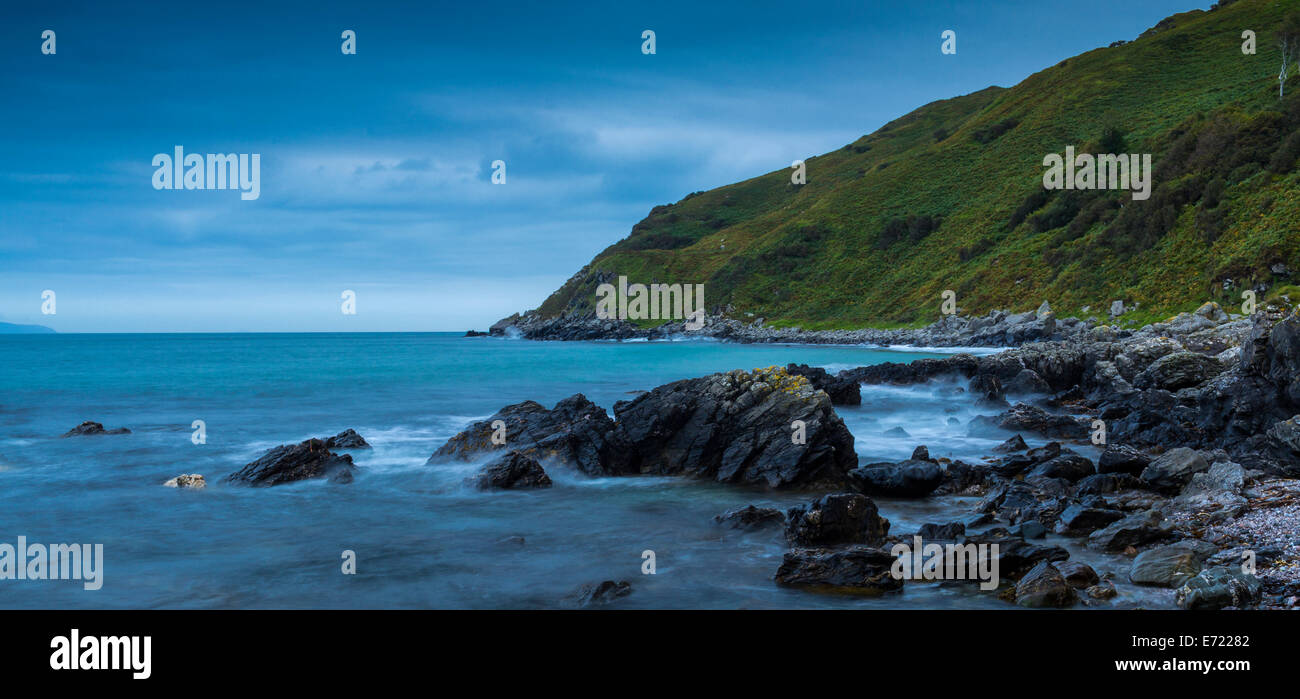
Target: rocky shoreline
[
  {"x": 996, "y": 329},
  {"x": 1198, "y": 420}
]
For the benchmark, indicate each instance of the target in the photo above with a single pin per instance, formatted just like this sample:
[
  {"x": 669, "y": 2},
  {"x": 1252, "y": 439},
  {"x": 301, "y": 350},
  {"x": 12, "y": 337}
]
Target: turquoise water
[{"x": 420, "y": 537}]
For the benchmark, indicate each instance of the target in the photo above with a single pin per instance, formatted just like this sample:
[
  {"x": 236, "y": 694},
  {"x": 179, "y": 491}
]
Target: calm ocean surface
[{"x": 420, "y": 537}]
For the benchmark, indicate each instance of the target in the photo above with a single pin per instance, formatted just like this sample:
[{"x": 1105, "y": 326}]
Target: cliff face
[{"x": 952, "y": 197}]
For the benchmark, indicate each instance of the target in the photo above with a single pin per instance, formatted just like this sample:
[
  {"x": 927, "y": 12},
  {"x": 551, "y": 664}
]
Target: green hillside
[{"x": 950, "y": 196}]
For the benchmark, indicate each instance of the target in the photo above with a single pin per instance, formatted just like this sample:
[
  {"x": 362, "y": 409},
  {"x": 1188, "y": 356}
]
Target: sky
[{"x": 376, "y": 168}]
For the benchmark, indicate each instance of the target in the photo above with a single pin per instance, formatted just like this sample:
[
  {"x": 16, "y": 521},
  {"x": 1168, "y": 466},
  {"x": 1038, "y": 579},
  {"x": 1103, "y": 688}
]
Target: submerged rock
[
  {"x": 751, "y": 517},
  {"x": 511, "y": 471},
  {"x": 601, "y": 593},
  {"x": 1164, "y": 566},
  {"x": 187, "y": 480},
  {"x": 295, "y": 462},
  {"x": 863, "y": 570},
  {"x": 88, "y": 428}
]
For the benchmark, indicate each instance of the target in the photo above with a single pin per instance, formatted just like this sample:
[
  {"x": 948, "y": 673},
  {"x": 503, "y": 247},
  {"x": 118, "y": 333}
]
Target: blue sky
[{"x": 376, "y": 167}]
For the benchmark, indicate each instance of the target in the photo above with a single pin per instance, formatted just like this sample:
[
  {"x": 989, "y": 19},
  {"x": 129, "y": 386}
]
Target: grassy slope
[{"x": 812, "y": 255}]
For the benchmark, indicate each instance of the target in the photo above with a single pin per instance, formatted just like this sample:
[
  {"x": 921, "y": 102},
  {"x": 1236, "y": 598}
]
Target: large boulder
[
  {"x": 295, "y": 462},
  {"x": 736, "y": 427},
  {"x": 574, "y": 432},
  {"x": 1170, "y": 471},
  {"x": 601, "y": 593},
  {"x": 1178, "y": 370},
  {"x": 862, "y": 570},
  {"x": 511, "y": 471},
  {"x": 1214, "y": 495},
  {"x": 841, "y": 518},
  {"x": 906, "y": 479},
  {"x": 89, "y": 428},
  {"x": 842, "y": 390}
]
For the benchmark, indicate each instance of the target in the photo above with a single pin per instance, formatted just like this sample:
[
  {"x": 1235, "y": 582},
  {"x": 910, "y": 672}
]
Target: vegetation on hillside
[{"x": 950, "y": 196}]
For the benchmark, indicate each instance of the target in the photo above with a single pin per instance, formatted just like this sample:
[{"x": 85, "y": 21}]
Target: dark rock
[
  {"x": 1170, "y": 471},
  {"x": 1078, "y": 520},
  {"x": 295, "y": 462},
  {"x": 575, "y": 432},
  {"x": 897, "y": 432},
  {"x": 942, "y": 532},
  {"x": 960, "y": 477},
  {"x": 1104, "y": 589},
  {"x": 1030, "y": 529},
  {"x": 750, "y": 517},
  {"x": 1029, "y": 418},
  {"x": 1016, "y": 443},
  {"x": 1216, "y": 588},
  {"x": 1164, "y": 566},
  {"x": 88, "y": 428},
  {"x": 842, "y": 518},
  {"x": 1214, "y": 495},
  {"x": 1134, "y": 530},
  {"x": 602, "y": 593},
  {"x": 1045, "y": 586},
  {"x": 1071, "y": 467},
  {"x": 988, "y": 391},
  {"x": 1178, "y": 370},
  {"x": 1105, "y": 483},
  {"x": 843, "y": 391},
  {"x": 347, "y": 439},
  {"x": 1122, "y": 459},
  {"x": 921, "y": 454},
  {"x": 1028, "y": 382},
  {"x": 511, "y": 472},
  {"x": 735, "y": 428},
  {"x": 1078, "y": 575},
  {"x": 1015, "y": 464},
  {"x": 1015, "y": 555},
  {"x": 906, "y": 479},
  {"x": 856, "y": 570},
  {"x": 475, "y": 333}
]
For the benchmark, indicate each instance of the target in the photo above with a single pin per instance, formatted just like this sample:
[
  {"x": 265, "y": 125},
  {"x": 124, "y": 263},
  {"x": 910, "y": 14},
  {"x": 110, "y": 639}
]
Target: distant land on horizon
[{"x": 15, "y": 329}]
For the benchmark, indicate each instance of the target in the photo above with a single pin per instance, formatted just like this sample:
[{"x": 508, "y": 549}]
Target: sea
[{"x": 415, "y": 534}]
